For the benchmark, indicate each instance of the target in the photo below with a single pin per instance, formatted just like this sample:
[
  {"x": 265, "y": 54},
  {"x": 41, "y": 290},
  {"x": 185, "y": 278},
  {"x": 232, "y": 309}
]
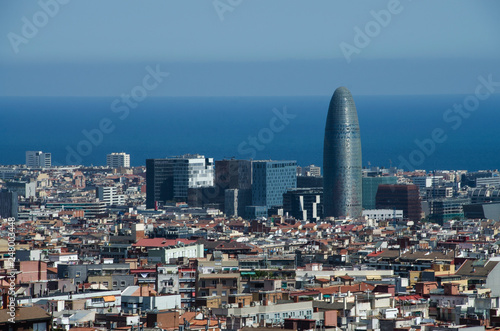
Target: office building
[
  {"x": 304, "y": 203},
  {"x": 342, "y": 158},
  {"x": 445, "y": 209},
  {"x": 309, "y": 171},
  {"x": 233, "y": 174},
  {"x": 38, "y": 159},
  {"x": 270, "y": 179},
  {"x": 170, "y": 179},
  {"x": 236, "y": 201},
  {"x": 233, "y": 183},
  {"x": 400, "y": 197},
  {"x": 370, "y": 187},
  {"x": 8, "y": 204},
  {"x": 118, "y": 160},
  {"x": 482, "y": 211},
  {"x": 22, "y": 188}
]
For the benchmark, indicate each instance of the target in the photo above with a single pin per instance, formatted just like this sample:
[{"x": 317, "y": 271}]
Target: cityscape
[{"x": 235, "y": 165}]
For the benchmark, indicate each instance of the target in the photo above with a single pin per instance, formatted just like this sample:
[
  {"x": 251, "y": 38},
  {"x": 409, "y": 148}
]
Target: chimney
[{"x": 266, "y": 302}]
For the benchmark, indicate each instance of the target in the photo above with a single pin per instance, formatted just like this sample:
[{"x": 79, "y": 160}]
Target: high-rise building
[
  {"x": 370, "y": 187},
  {"x": 233, "y": 181},
  {"x": 8, "y": 204},
  {"x": 304, "y": 203},
  {"x": 38, "y": 159},
  {"x": 400, "y": 197},
  {"x": 118, "y": 160},
  {"x": 270, "y": 179},
  {"x": 169, "y": 179},
  {"x": 342, "y": 185}
]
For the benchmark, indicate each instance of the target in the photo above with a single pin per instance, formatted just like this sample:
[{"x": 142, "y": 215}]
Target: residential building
[
  {"x": 109, "y": 195},
  {"x": 221, "y": 285},
  {"x": 118, "y": 160},
  {"x": 38, "y": 159}
]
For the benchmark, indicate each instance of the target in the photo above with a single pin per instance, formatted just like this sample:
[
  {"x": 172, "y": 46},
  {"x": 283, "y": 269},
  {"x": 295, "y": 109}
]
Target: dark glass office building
[{"x": 342, "y": 193}]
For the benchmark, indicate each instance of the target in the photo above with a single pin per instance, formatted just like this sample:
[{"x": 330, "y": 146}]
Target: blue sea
[{"x": 418, "y": 132}]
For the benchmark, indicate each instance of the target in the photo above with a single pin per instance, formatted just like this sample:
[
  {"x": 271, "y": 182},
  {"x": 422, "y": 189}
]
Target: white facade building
[
  {"x": 383, "y": 214},
  {"x": 118, "y": 160},
  {"x": 38, "y": 159},
  {"x": 163, "y": 255},
  {"x": 192, "y": 171},
  {"x": 427, "y": 181},
  {"x": 109, "y": 195}
]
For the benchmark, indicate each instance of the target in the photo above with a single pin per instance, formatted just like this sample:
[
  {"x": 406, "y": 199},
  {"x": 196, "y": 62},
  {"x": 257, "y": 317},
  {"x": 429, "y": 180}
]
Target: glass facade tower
[{"x": 342, "y": 193}]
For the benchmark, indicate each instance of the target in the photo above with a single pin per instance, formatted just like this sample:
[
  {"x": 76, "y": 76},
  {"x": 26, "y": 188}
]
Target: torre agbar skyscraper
[{"x": 342, "y": 158}]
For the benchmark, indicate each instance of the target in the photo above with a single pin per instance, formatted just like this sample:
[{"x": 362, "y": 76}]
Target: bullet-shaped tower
[{"x": 342, "y": 158}]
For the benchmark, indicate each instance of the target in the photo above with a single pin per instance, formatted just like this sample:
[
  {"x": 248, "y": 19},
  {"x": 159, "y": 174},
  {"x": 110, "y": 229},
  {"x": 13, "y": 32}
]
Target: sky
[{"x": 247, "y": 47}]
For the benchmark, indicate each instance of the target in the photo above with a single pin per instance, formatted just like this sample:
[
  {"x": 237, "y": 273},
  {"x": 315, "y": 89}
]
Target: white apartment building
[
  {"x": 38, "y": 159},
  {"x": 109, "y": 195},
  {"x": 118, "y": 160},
  {"x": 383, "y": 214}
]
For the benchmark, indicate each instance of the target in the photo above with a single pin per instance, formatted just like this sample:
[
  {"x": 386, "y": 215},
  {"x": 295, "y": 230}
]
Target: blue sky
[{"x": 260, "y": 47}]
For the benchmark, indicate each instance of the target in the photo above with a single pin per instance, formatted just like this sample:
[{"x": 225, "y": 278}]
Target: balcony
[
  {"x": 187, "y": 289},
  {"x": 187, "y": 280}
]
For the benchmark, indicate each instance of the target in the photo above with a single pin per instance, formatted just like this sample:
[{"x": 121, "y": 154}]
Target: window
[
  {"x": 115, "y": 283},
  {"x": 223, "y": 293},
  {"x": 122, "y": 283},
  {"x": 77, "y": 274}
]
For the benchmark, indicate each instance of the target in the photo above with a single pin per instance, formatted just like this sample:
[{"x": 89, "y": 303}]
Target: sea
[{"x": 431, "y": 132}]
